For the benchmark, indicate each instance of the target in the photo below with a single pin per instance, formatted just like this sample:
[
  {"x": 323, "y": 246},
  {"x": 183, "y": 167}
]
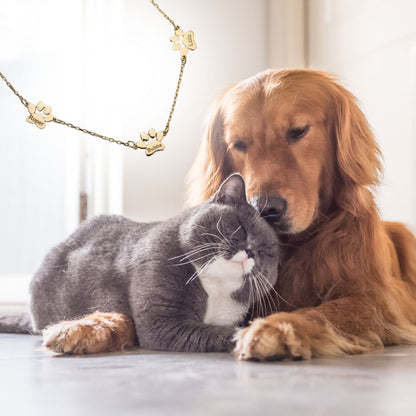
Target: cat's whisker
[
  {"x": 263, "y": 294},
  {"x": 200, "y": 270},
  {"x": 222, "y": 235},
  {"x": 194, "y": 250},
  {"x": 251, "y": 295},
  {"x": 188, "y": 254},
  {"x": 266, "y": 296},
  {"x": 268, "y": 216},
  {"x": 262, "y": 297},
  {"x": 200, "y": 226},
  {"x": 247, "y": 281},
  {"x": 261, "y": 302},
  {"x": 265, "y": 205},
  {"x": 259, "y": 294},
  {"x": 196, "y": 247},
  {"x": 216, "y": 236},
  {"x": 272, "y": 289},
  {"x": 258, "y": 297},
  {"x": 272, "y": 301},
  {"x": 192, "y": 260},
  {"x": 249, "y": 302},
  {"x": 203, "y": 267},
  {"x": 236, "y": 230},
  {"x": 193, "y": 276},
  {"x": 216, "y": 248},
  {"x": 197, "y": 252},
  {"x": 197, "y": 273},
  {"x": 258, "y": 216}
]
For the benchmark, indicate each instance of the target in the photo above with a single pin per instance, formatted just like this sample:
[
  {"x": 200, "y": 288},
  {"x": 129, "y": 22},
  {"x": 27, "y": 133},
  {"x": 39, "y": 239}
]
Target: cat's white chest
[{"x": 220, "y": 279}]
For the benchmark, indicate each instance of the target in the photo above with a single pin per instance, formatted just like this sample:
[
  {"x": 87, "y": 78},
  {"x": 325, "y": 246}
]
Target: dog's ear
[
  {"x": 211, "y": 165},
  {"x": 357, "y": 153}
]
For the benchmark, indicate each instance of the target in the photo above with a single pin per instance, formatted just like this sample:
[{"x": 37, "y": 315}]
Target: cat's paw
[
  {"x": 95, "y": 333},
  {"x": 272, "y": 339}
]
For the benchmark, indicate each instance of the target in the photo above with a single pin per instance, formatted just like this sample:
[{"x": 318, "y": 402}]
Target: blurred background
[{"x": 107, "y": 65}]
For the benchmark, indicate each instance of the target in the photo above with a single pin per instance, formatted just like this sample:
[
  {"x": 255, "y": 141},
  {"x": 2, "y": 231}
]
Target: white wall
[
  {"x": 371, "y": 46},
  {"x": 39, "y": 169},
  {"x": 231, "y": 38},
  {"x": 286, "y": 33}
]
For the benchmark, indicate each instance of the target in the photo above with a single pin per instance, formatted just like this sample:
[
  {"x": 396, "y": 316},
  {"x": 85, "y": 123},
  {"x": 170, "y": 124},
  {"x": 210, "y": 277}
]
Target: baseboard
[{"x": 14, "y": 288}]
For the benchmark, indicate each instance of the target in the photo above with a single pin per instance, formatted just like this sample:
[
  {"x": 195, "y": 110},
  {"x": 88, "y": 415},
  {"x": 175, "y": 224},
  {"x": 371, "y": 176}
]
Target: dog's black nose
[{"x": 271, "y": 208}]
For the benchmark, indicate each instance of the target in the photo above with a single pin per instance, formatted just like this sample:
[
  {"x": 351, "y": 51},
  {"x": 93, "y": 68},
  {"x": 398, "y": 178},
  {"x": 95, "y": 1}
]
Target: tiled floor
[{"x": 149, "y": 383}]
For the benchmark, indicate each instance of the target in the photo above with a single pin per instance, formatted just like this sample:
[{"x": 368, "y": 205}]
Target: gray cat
[{"x": 186, "y": 282}]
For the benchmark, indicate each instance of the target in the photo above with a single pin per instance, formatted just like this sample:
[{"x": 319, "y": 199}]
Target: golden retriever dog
[{"x": 347, "y": 280}]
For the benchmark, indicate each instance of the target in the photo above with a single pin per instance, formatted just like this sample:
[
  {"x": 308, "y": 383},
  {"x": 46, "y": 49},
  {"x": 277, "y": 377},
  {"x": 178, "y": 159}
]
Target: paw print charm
[
  {"x": 39, "y": 115},
  {"x": 183, "y": 41},
  {"x": 151, "y": 146}
]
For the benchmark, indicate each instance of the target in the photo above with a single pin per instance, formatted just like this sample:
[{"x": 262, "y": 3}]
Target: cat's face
[{"x": 230, "y": 245}]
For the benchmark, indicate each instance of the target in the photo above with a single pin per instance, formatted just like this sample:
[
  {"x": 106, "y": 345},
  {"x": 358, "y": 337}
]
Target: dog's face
[
  {"x": 282, "y": 147},
  {"x": 294, "y": 136}
]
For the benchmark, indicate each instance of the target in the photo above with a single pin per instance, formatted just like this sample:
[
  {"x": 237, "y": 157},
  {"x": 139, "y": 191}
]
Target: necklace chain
[
  {"x": 175, "y": 26},
  {"x": 23, "y": 100},
  {"x": 150, "y": 141}
]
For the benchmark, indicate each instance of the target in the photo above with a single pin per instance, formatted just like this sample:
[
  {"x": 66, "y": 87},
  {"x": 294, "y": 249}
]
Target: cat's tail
[{"x": 20, "y": 323}]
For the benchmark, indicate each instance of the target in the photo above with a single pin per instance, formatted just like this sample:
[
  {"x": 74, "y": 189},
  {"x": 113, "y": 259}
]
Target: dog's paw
[
  {"x": 271, "y": 339},
  {"x": 95, "y": 333}
]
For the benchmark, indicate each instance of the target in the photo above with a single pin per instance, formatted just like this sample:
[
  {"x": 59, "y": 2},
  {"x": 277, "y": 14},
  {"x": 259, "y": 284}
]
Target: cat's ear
[{"x": 232, "y": 191}]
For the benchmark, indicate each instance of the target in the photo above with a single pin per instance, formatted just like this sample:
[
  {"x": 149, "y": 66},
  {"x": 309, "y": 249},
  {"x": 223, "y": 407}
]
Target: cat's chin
[
  {"x": 242, "y": 260},
  {"x": 227, "y": 273}
]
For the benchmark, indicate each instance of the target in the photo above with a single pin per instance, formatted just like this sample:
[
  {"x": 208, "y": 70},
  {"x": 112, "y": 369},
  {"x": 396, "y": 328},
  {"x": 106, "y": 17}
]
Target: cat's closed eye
[{"x": 267, "y": 251}]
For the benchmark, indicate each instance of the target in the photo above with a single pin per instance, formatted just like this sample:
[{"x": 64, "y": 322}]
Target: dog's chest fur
[{"x": 220, "y": 279}]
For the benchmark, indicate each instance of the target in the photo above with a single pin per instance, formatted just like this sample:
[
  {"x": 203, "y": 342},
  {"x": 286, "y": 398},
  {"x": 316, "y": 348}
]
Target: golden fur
[
  {"x": 95, "y": 333},
  {"x": 347, "y": 282}
]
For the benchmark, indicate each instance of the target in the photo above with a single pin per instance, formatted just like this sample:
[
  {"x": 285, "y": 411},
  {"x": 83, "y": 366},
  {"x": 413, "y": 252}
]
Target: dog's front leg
[
  {"x": 95, "y": 333},
  {"x": 348, "y": 325}
]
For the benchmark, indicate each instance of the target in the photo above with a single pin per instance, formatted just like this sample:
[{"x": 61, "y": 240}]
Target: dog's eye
[
  {"x": 296, "y": 133},
  {"x": 240, "y": 146}
]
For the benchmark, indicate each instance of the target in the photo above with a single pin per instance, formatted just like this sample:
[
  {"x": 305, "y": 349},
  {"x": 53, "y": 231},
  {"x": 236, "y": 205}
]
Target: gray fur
[
  {"x": 112, "y": 264},
  {"x": 16, "y": 324}
]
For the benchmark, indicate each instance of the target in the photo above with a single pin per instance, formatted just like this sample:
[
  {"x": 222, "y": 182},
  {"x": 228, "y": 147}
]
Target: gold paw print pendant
[
  {"x": 39, "y": 115},
  {"x": 151, "y": 146},
  {"x": 187, "y": 39}
]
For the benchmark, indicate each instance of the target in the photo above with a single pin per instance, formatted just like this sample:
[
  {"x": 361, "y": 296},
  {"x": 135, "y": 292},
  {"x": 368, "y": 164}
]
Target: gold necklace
[{"x": 150, "y": 141}]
